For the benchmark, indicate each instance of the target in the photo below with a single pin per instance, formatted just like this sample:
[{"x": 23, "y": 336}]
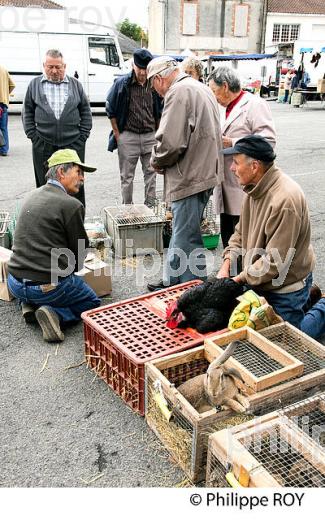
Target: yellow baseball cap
[{"x": 68, "y": 156}]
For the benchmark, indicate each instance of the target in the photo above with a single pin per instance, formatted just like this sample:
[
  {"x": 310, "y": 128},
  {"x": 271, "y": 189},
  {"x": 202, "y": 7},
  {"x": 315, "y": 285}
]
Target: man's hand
[
  {"x": 224, "y": 270},
  {"x": 155, "y": 168},
  {"x": 227, "y": 142},
  {"x": 116, "y": 135}
]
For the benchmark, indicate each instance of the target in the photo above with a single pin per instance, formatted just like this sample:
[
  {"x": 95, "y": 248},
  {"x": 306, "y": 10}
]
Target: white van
[{"x": 95, "y": 59}]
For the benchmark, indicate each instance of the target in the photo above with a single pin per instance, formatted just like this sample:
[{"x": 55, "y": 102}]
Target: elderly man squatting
[
  {"x": 272, "y": 236},
  {"x": 49, "y": 246}
]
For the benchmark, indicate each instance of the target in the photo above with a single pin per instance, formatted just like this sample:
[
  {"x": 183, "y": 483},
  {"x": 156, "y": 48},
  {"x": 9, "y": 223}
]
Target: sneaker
[
  {"x": 28, "y": 312},
  {"x": 158, "y": 285},
  {"x": 49, "y": 322}
]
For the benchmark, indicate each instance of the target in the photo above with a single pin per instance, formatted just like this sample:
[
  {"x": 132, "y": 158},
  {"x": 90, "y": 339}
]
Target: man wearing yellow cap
[{"x": 49, "y": 246}]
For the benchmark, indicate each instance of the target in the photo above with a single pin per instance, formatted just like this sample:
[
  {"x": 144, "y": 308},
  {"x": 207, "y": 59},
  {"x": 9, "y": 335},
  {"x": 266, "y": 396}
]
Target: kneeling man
[
  {"x": 50, "y": 245},
  {"x": 272, "y": 237}
]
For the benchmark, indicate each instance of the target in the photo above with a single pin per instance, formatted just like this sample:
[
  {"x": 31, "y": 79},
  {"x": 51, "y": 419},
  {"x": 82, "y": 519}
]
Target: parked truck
[{"x": 95, "y": 59}]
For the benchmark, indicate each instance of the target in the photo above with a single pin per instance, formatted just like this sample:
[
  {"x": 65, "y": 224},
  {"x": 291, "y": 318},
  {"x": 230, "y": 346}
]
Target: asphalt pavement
[{"x": 61, "y": 426}]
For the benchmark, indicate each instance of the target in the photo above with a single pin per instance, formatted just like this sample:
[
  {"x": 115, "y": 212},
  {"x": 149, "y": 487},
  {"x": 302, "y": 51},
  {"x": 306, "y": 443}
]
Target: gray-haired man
[
  {"x": 186, "y": 153},
  {"x": 50, "y": 245},
  {"x": 56, "y": 114}
]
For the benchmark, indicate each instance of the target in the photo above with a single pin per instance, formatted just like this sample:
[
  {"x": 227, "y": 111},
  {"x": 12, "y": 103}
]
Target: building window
[
  {"x": 276, "y": 32},
  {"x": 285, "y": 32},
  {"x": 294, "y": 32}
]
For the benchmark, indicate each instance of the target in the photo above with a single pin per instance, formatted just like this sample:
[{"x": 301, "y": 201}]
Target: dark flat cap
[
  {"x": 142, "y": 57},
  {"x": 254, "y": 146}
]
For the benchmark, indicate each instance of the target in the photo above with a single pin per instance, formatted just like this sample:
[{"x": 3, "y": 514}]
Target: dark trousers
[
  {"x": 42, "y": 151},
  {"x": 227, "y": 226}
]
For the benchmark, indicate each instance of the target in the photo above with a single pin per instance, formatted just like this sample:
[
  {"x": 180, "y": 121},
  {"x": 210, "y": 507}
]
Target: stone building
[{"x": 206, "y": 26}]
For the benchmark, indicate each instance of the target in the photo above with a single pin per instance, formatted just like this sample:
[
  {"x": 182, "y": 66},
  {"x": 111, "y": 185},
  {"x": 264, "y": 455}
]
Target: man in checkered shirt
[{"x": 56, "y": 115}]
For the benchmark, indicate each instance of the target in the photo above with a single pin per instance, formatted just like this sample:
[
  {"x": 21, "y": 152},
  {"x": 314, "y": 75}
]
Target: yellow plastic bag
[
  {"x": 254, "y": 312},
  {"x": 241, "y": 312}
]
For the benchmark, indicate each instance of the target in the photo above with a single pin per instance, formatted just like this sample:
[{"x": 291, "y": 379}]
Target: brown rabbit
[
  {"x": 220, "y": 383},
  {"x": 193, "y": 391},
  {"x": 217, "y": 387}
]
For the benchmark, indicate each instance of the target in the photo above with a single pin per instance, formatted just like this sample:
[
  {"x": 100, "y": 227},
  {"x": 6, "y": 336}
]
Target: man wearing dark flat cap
[
  {"x": 272, "y": 237},
  {"x": 134, "y": 110}
]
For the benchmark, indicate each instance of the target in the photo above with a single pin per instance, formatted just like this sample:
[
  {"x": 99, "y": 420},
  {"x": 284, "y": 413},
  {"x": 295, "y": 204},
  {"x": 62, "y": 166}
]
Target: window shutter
[
  {"x": 241, "y": 20},
  {"x": 189, "y": 18}
]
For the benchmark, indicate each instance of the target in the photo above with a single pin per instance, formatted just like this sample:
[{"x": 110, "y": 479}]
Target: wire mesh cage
[
  {"x": 135, "y": 229},
  {"x": 261, "y": 363},
  {"x": 210, "y": 224},
  {"x": 4, "y": 229},
  {"x": 185, "y": 432},
  {"x": 308, "y": 416},
  {"x": 96, "y": 232},
  {"x": 296, "y": 343},
  {"x": 303, "y": 348},
  {"x": 269, "y": 452}
]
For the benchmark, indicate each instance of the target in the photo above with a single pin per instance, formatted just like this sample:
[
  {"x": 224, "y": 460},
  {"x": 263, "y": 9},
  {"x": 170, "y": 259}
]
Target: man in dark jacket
[
  {"x": 56, "y": 114},
  {"x": 134, "y": 111},
  {"x": 49, "y": 246}
]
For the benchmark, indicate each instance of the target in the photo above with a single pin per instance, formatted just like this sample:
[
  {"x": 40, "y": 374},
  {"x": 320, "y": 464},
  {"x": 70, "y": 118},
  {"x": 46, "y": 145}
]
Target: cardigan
[{"x": 39, "y": 120}]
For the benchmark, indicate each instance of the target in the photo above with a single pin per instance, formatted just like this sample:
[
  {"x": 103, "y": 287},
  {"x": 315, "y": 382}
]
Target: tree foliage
[{"x": 132, "y": 30}]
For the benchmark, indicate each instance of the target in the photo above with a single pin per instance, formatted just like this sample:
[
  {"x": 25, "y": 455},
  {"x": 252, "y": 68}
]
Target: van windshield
[{"x": 103, "y": 52}]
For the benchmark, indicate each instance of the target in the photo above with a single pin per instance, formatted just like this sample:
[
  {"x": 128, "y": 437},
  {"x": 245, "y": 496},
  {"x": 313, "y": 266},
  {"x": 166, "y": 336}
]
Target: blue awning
[
  {"x": 306, "y": 49},
  {"x": 322, "y": 49},
  {"x": 228, "y": 57}
]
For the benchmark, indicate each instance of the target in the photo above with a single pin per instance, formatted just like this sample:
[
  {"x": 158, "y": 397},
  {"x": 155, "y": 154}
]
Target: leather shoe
[
  {"x": 28, "y": 312},
  {"x": 158, "y": 285}
]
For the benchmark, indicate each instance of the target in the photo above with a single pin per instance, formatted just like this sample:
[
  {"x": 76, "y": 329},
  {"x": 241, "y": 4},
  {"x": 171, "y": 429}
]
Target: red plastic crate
[{"x": 120, "y": 338}]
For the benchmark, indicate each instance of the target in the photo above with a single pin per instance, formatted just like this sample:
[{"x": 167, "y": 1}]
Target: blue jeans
[
  {"x": 4, "y": 128},
  {"x": 290, "y": 306},
  {"x": 68, "y": 299},
  {"x": 186, "y": 238},
  {"x": 313, "y": 323}
]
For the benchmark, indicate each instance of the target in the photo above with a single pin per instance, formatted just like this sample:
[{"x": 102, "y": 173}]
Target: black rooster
[{"x": 206, "y": 307}]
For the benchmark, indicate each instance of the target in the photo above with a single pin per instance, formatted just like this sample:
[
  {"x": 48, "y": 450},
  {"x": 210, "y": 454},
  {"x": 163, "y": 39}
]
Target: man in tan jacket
[
  {"x": 6, "y": 87},
  {"x": 186, "y": 153},
  {"x": 273, "y": 234}
]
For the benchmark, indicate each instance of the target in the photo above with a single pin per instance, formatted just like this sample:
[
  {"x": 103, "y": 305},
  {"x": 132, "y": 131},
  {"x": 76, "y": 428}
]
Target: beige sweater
[
  {"x": 274, "y": 218},
  {"x": 6, "y": 86},
  {"x": 188, "y": 139}
]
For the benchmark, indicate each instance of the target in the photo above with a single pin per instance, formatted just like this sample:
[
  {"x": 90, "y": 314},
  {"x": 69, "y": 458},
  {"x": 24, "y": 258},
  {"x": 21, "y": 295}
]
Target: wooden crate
[
  {"x": 308, "y": 417},
  {"x": 265, "y": 452},
  {"x": 191, "y": 429},
  {"x": 261, "y": 363},
  {"x": 186, "y": 434},
  {"x": 310, "y": 352}
]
